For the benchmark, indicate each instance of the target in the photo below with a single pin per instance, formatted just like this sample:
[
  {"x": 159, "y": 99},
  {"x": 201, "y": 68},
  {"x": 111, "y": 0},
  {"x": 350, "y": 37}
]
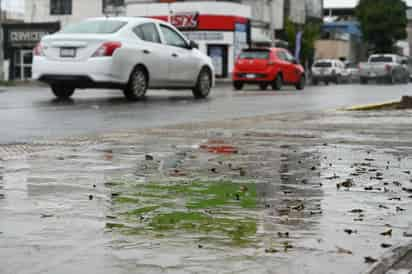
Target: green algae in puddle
[
  {"x": 141, "y": 210},
  {"x": 126, "y": 200},
  {"x": 203, "y": 208},
  {"x": 238, "y": 230}
]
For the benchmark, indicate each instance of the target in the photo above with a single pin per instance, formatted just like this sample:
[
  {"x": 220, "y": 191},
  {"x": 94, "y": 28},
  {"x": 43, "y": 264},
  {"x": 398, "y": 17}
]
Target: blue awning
[{"x": 352, "y": 28}]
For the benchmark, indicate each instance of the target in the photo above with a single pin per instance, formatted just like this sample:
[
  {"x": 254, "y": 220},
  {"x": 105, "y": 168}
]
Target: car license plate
[
  {"x": 372, "y": 74},
  {"x": 67, "y": 52},
  {"x": 250, "y": 76}
]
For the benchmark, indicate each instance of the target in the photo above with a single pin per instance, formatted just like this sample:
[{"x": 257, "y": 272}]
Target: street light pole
[
  {"x": 1, "y": 43},
  {"x": 272, "y": 23}
]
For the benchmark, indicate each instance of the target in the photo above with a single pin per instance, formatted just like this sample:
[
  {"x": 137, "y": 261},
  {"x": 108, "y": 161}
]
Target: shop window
[
  {"x": 111, "y": 3},
  {"x": 147, "y": 32},
  {"x": 60, "y": 7}
]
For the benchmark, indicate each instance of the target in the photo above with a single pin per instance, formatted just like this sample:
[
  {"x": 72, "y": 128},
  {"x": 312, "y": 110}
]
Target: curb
[
  {"x": 373, "y": 106},
  {"x": 387, "y": 261}
]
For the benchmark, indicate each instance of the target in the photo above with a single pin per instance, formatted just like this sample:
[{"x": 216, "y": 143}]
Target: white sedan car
[{"x": 132, "y": 54}]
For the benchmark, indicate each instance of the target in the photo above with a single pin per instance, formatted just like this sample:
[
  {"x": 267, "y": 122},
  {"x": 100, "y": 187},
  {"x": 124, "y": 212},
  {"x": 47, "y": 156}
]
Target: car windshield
[
  {"x": 95, "y": 27},
  {"x": 254, "y": 55},
  {"x": 323, "y": 65},
  {"x": 381, "y": 59}
]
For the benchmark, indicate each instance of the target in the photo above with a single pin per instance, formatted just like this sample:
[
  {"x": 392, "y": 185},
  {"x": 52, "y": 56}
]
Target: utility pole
[
  {"x": 272, "y": 23},
  {"x": 1, "y": 43}
]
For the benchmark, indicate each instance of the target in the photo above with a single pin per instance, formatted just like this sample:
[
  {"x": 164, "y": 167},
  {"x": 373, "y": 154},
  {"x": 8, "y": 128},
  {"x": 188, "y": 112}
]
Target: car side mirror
[
  {"x": 294, "y": 61},
  {"x": 193, "y": 45}
]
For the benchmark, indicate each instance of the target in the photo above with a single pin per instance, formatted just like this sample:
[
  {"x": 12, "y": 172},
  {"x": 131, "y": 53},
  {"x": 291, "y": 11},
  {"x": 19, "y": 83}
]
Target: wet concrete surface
[
  {"x": 28, "y": 114},
  {"x": 332, "y": 188}
]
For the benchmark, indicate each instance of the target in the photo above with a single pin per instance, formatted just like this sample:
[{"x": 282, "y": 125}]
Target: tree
[
  {"x": 311, "y": 32},
  {"x": 383, "y": 22}
]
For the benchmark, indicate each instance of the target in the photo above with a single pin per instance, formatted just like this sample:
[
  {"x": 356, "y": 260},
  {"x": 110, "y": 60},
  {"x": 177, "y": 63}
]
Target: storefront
[
  {"x": 19, "y": 41},
  {"x": 221, "y": 29}
]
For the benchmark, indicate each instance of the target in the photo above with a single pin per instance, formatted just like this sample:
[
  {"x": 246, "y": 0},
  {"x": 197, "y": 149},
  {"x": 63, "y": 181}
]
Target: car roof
[
  {"x": 128, "y": 19},
  {"x": 327, "y": 60}
]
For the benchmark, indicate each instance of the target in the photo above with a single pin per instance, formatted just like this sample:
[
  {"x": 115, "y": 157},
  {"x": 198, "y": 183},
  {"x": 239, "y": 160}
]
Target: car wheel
[
  {"x": 301, "y": 84},
  {"x": 263, "y": 86},
  {"x": 61, "y": 92},
  {"x": 363, "y": 81},
  {"x": 391, "y": 79},
  {"x": 137, "y": 86},
  {"x": 315, "y": 81},
  {"x": 338, "y": 80},
  {"x": 237, "y": 85},
  {"x": 327, "y": 83},
  {"x": 203, "y": 84},
  {"x": 277, "y": 83}
]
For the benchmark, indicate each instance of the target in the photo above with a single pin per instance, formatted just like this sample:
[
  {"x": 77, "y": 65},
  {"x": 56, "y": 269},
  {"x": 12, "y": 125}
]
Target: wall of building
[
  {"x": 39, "y": 11},
  {"x": 334, "y": 49}
]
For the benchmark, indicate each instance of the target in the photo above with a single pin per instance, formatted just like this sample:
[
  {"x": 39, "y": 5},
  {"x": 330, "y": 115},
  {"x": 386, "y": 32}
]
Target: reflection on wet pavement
[{"x": 302, "y": 193}]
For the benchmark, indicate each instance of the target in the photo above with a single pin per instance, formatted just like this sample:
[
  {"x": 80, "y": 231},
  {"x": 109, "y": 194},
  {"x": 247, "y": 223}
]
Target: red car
[{"x": 268, "y": 66}]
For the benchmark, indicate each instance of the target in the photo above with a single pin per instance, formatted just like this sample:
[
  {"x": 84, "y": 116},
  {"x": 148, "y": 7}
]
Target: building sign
[
  {"x": 204, "y": 35},
  {"x": 21, "y": 36},
  {"x": 27, "y": 35},
  {"x": 189, "y": 20}
]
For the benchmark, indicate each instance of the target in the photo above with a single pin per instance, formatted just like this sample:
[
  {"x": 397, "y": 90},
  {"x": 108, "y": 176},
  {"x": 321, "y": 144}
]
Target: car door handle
[
  {"x": 175, "y": 55},
  {"x": 145, "y": 51}
]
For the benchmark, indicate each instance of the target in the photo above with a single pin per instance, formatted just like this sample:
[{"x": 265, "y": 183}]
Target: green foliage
[
  {"x": 311, "y": 32},
  {"x": 383, "y": 22}
]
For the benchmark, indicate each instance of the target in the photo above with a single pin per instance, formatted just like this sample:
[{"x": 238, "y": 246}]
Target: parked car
[
  {"x": 352, "y": 71},
  {"x": 268, "y": 67},
  {"x": 386, "y": 67},
  {"x": 407, "y": 62},
  {"x": 132, "y": 54},
  {"x": 328, "y": 70}
]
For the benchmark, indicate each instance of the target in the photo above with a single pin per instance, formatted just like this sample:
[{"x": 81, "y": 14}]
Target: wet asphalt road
[{"x": 31, "y": 114}]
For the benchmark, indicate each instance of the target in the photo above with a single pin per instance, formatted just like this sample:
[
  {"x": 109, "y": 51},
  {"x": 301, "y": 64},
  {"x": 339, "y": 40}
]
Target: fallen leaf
[
  {"x": 370, "y": 260},
  {"x": 350, "y": 231},
  {"x": 271, "y": 250},
  {"x": 387, "y": 233},
  {"x": 344, "y": 251},
  {"x": 407, "y": 234},
  {"x": 383, "y": 245}
]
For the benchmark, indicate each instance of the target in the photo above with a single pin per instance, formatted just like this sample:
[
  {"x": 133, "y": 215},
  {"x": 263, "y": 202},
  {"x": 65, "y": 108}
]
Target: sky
[
  {"x": 349, "y": 3},
  {"x": 13, "y": 5}
]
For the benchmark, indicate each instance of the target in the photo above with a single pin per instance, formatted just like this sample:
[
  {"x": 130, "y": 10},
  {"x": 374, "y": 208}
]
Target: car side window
[
  {"x": 288, "y": 57},
  {"x": 281, "y": 55},
  {"x": 147, "y": 32},
  {"x": 172, "y": 38}
]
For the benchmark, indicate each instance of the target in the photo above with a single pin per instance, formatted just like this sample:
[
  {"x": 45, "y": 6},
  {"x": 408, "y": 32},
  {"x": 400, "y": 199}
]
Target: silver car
[{"x": 132, "y": 54}]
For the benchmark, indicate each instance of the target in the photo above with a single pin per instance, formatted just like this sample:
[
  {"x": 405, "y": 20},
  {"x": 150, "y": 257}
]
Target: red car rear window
[{"x": 254, "y": 55}]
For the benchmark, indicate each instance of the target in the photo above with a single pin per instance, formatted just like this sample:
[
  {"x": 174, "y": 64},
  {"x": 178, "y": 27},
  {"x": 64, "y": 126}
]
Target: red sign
[
  {"x": 185, "y": 20},
  {"x": 206, "y": 22}
]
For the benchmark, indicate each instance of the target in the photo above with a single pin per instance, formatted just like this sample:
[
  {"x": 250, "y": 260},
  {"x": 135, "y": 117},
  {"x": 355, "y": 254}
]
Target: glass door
[{"x": 23, "y": 60}]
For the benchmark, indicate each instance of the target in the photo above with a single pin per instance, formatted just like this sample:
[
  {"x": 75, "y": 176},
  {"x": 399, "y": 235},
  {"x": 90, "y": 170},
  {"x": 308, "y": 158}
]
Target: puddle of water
[{"x": 222, "y": 211}]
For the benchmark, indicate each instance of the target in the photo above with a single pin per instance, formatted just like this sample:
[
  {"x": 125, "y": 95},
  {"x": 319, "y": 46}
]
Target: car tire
[
  {"x": 278, "y": 82},
  {"x": 363, "y": 81},
  {"x": 338, "y": 80},
  {"x": 237, "y": 85},
  {"x": 137, "y": 86},
  {"x": 315, "y": 81},
  {"x": 203, "y": 84},
  {"x": 301, "y": 84},
  {"x": 61, "y": 92},
  {"x": 391, "y": 79},
  {"x": 263, "y": 86}
]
